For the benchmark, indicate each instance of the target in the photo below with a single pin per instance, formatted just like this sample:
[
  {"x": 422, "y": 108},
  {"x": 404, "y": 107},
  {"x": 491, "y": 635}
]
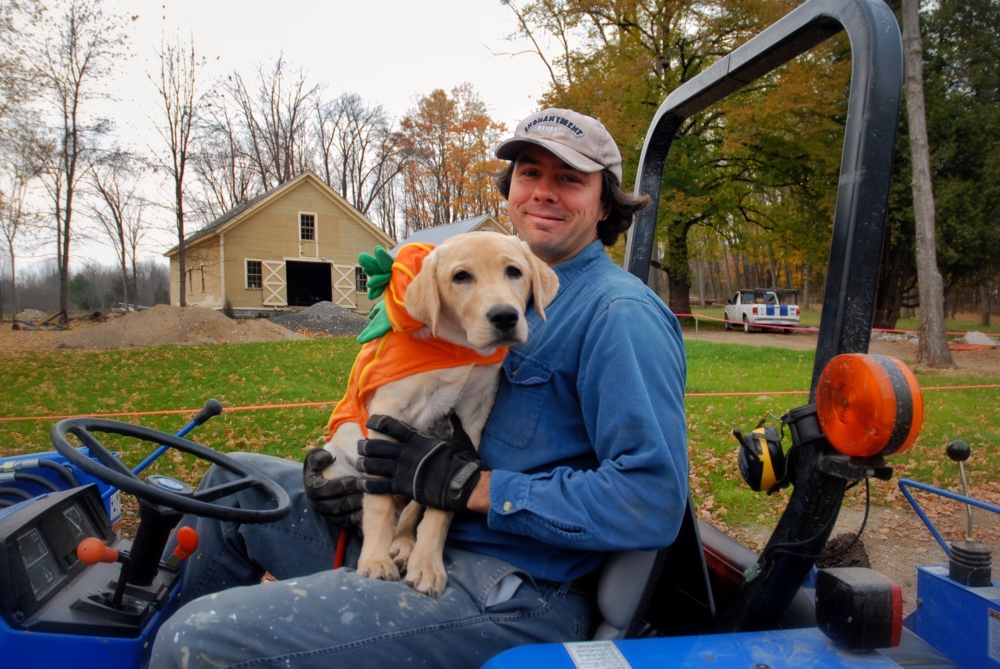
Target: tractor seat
[{"x": 656, "y": 593}]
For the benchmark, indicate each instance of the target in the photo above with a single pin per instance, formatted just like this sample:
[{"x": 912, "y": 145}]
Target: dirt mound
[{"x": 174, "y": 325}]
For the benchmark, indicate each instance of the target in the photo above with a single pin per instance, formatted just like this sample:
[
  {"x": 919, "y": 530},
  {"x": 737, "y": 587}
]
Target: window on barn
[
  {"x": 254, "y": 274},
  {"x": 360, "y": 280},
  {"x": 307, "y": 227}
]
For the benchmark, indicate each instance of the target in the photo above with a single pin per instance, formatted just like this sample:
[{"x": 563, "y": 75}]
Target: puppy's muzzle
[{"x": 504, "y": 318}]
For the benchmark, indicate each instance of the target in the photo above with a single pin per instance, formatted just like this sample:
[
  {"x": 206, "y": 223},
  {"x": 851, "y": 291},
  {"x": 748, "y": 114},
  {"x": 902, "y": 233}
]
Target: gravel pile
[
  {"x": 324, "y": 318},
  {"x": 173, "y": 325}
]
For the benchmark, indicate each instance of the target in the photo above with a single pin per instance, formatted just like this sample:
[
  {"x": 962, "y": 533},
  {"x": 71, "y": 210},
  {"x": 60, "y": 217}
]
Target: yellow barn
[{"x": 292, "y": 246}]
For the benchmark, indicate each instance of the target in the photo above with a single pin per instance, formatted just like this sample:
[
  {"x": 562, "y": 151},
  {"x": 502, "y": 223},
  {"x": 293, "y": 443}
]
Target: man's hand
[
  {"x": 338, "y": 500},
  {"x": 439, "y": 473}
]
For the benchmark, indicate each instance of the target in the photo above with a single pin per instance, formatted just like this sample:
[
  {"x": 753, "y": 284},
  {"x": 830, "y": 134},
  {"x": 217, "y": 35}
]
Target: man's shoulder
[
  {"x": 613, "y": 282},
  {"x": 599, "y": 282}
]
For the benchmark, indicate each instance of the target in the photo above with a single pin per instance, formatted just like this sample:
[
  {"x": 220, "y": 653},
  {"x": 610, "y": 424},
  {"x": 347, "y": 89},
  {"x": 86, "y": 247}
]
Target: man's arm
[
  {"x": 630, "y": 395},
  {"x": 479, "y": 500}
]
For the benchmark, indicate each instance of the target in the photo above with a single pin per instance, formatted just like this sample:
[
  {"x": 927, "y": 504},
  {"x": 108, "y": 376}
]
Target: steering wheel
[{"x": 200, "y": 502}]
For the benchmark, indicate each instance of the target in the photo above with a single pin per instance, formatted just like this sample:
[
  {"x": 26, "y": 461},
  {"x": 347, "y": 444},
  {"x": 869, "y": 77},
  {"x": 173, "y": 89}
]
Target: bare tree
[
  {"x": 328, "y": 120},
  {"x": 181, "y": 99},
  {"x": 932, "y": 347},
  {"x": 273, "y": 114},
  {"x": 358, "y": 153},
  {"x": 120, "y": 207},
  {"x": 20, "y": 148},
  {"x": 15, "y": 82},
  {"x": 14, "y": 218},
  {"x": 386, "y": 212},
  {"x": 224, "y": 174},
  {"x": 79, "y": 47},
  {"x": 21, "y": 145}
]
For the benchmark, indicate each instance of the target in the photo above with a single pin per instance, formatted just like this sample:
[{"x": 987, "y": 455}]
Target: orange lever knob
[
  {"x": 93, "y": 550},
  {"x": 187, "y": 542}
]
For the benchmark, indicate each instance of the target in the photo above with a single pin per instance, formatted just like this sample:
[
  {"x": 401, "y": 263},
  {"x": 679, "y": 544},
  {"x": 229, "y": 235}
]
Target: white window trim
[
  {"x": 315, "y": 216},
  {"x": 246, "y": 274},
  {"x": 360, "y": 277}
]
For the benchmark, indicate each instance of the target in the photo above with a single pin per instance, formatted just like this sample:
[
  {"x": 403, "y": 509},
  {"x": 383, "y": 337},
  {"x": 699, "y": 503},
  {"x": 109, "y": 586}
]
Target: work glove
[
  {"x": 338, "y": 500},
  {"x": 439, "y": 473}
]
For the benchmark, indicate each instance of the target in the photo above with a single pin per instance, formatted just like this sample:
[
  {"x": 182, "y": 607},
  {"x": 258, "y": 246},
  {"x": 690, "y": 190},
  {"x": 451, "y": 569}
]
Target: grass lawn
[{"x": 729, "y": 386}]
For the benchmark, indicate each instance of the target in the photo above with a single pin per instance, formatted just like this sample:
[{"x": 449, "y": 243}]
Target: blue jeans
[{"x": 314, "y": 616}]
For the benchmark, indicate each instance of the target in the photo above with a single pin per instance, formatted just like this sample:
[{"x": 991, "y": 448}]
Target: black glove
[
  {"x": 338, "y": 500},
  {"x": 439, "y": 473}
]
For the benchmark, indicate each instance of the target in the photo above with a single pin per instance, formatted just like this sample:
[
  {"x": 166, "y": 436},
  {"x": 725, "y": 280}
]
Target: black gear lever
[
  {"x": 971, "y": 561},
  {"x": 959, "y": 452}
]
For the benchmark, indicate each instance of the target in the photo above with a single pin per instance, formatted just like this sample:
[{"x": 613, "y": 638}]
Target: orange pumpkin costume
[{"x": 397, "y": 354}]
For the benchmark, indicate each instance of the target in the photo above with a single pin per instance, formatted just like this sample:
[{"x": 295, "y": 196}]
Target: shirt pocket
[{"x": 523, "y": 394}]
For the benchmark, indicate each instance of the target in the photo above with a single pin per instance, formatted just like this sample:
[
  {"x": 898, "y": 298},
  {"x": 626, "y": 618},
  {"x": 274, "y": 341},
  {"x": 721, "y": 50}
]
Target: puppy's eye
[
  {"x": 513, "y": 272},
  {"x": 461, "y": 276}
]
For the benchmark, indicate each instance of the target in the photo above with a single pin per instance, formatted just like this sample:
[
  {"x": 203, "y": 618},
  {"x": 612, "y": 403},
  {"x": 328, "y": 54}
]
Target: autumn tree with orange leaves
[{"x": 448, "y": 139}]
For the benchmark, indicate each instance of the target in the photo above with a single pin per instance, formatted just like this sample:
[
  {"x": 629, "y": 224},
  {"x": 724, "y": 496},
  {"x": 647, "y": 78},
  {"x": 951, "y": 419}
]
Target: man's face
[{"x": 554, "y": 207}]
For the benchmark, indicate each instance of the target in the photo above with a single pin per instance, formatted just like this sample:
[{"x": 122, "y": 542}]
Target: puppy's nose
[{"x": 503, "y": 318}]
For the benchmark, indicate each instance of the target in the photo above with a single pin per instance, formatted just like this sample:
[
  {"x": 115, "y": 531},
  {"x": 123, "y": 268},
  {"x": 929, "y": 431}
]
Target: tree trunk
[
  {"x": 932, "y": 347},
  {"x": 13, "y": 287},
  {"x": 182, "y": 253},
  {"x": 680, "y": 295},
  {"x": 984, "y": 300},
  {"x": 804, "y": 302},
  {"x": 678, "y": 271},
  {"x": 124, "y": 262}
]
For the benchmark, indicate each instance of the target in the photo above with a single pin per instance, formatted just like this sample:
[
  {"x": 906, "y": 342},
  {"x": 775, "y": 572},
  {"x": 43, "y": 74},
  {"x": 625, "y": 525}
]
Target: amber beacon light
[{"x": 869, "y": 404}]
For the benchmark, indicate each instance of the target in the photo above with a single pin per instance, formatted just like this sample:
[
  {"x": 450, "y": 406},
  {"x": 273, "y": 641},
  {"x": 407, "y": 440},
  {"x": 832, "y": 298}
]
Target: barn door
[
  {"x": 275, "y": 294},
  {"x": 343, "y": 285}
]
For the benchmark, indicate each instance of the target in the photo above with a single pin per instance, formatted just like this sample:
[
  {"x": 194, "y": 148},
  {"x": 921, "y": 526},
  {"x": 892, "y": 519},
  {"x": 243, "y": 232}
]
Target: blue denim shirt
[{"x": 587, "y": 440}]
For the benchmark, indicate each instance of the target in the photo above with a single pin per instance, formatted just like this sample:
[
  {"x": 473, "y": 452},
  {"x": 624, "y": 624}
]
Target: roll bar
[
  {"x": 855, "y": 251},
  {"x": 866, "y": 162}
]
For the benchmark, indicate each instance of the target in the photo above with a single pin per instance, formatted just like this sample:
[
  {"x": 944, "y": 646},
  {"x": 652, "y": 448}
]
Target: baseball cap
[{"x": 580, "y": 140}]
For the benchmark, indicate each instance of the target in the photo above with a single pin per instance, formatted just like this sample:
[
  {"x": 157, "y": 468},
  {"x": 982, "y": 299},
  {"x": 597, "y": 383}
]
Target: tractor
[{"x": 74, "y": 591}]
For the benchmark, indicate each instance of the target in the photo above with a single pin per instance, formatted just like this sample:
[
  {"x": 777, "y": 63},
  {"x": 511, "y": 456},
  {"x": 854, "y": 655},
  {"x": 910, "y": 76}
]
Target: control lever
[
  {"x": 92, "y": 550},
  {"x": 959, "y": 452},
  {"x": 971, "y": 561},
  {"x": 187, "y": 544}
]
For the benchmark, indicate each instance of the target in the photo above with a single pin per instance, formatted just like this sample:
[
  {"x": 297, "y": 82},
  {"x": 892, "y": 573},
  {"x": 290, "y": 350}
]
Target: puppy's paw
[
  {"x": 382, "y": 569},
  {"x": 430, "y": 579},
  {"x": 401, "y": 549}
]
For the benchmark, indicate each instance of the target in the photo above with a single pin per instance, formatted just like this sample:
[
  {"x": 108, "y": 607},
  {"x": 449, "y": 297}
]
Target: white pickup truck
[{"x": 758, "y": 308}]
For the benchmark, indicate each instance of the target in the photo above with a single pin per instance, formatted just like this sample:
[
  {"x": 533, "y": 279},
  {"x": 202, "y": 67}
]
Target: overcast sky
[{"x": 390, "y": 52}]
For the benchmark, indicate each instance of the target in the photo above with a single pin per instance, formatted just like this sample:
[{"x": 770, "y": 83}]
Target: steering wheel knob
[{"x": 169, "y": 484}]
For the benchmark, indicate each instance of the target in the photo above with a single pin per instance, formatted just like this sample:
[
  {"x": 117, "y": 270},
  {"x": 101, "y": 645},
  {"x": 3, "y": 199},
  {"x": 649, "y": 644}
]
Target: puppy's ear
[
  {"x": 544, "y": 282},
  {"x": 423, "y": 301}
]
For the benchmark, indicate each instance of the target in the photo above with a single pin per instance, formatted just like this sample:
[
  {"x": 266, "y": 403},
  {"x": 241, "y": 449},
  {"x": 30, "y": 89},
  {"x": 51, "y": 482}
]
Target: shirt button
[{"x": 507, "y": 506}]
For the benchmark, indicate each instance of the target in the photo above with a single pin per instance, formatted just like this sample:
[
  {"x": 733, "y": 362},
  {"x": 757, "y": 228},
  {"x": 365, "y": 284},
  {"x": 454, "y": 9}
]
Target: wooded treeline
[
  {"x": 95, "y": 288},
  {"x": 747, "y": 197}
]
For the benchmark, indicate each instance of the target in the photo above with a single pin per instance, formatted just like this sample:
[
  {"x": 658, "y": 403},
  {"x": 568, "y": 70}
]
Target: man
[{"x": 585, "y": 453}]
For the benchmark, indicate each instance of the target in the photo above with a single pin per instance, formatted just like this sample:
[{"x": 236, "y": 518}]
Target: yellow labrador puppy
[{"x": 469, "y": 297}]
